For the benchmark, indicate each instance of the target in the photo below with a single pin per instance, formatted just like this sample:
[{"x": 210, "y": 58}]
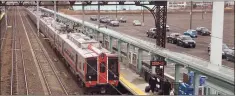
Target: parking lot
[{"x": 178, "y": 23}]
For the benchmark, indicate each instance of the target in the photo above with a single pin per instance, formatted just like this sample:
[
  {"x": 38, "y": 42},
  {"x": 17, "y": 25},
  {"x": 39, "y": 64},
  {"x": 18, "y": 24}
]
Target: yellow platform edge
[
  {"x": 131, "y": 87},
  {"x": 1, "y": 15}
]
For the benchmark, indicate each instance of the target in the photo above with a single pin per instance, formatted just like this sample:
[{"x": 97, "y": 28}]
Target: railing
[{"x": 220, "y": 72}]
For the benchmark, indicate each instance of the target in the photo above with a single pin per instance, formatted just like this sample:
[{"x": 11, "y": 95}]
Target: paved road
[{"x": 178, "y": 23}]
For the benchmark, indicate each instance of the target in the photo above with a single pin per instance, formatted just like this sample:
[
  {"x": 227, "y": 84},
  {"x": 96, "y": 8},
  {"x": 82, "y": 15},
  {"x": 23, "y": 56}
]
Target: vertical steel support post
[
  {"x": 128, "y": 49},
  {"x": 177, "y": 72},
  {"x": 37, "y": 17},
  {"x": 97, "y": 33},
  {"x": 160, "y": 22},
  {"x": 196, "y": 83},
  {"x": 103, "y": 39},
  {"x": 153, "y": 57},
  {"x": 177, "y": 77},
  {"x": 110, "y": 43},
  {"x": 119, "y": 49},
  {"x": 217, "y": 32},
  {"x": 139, "y": 65},
  {"x": 132, "y": 53},
  {"x": 55, "y": 10}
]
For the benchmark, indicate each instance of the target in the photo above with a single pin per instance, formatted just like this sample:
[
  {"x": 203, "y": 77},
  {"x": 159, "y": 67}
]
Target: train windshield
[
  {"x": 92, "y": 66},
  {"x": 102, "y": 67},
  {"x": 113, "y": 65}
]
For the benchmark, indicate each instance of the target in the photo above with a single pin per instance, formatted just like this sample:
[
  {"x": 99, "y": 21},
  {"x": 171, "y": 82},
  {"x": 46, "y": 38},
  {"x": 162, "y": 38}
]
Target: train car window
[
  {"x": 113, "y": 65},
  {"x": 92, "y": 66},
  {"x": 102, "y": 67}
]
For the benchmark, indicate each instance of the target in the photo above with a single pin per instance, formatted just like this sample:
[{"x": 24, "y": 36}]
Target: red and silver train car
[{"x": 96, "y": 68}]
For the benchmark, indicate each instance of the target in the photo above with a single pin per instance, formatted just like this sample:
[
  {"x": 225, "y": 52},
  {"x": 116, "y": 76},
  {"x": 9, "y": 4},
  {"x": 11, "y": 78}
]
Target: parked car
[
  {"x": 203, "y": 31},
  {"x": 103, "y": 20},
  {"x": 114, "y": 23},
  {"x": 229, "y": 55},
  {"x": 137, "y": 23},
  {"x": 93, "y": 18},
  {"x": 122, "y": 20},
  {"x": 151, "y": 33},
  {"x": 167, "y": 28},
  {"x": 225, "y": 49},
  {"x": 185, "y": 41},
  {"x": 191, "y": 33},
  {"x": 172, "y": 38}
]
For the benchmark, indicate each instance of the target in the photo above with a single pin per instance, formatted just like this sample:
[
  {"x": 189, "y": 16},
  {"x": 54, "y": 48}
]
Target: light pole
[
  {"x": 116, "y": 10},
  {"x": 191, "y": 14},
  {"x": 202, "y": 9}
]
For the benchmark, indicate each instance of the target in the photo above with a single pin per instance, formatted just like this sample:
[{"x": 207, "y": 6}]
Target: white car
[
  {"x": 137, "y": 23},
  {"x": 167, "y": 28},
  {"x": 114, "y": 23}
]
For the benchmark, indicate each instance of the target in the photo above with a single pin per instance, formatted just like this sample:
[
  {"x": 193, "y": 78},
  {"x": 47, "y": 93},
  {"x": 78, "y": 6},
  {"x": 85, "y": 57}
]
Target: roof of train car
[
  {"x": 84, "y": 52},
  {"x": 82, "y": 38}
]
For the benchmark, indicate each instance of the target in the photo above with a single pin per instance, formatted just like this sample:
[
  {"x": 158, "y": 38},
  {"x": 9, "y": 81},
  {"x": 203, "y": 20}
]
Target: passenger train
[{"x": 96, "y": 68}]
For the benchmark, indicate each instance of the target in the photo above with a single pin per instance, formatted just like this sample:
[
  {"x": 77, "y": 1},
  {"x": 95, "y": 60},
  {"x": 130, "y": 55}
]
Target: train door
[{"x": 102, "y": 66}]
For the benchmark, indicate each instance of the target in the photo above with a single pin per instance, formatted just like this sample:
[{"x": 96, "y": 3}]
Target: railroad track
[
  {"x": 49, "y": 73},
  {"x": 8, "y": 60},
  {"x": 21, "y": 83},
  {"x": 13, "y": 64}
]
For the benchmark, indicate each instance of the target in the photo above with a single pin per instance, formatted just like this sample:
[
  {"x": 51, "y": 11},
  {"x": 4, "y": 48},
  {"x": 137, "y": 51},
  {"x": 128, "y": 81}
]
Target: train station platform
[{"x": 132, "y": 81}]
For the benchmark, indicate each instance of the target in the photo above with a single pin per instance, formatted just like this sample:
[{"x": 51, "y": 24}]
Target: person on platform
[
  {"x": 152, "y": 83},
  {"x": 166, "y": 87}
]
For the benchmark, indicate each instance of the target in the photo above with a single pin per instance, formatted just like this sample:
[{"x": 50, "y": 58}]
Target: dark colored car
[
  {"x": 185, "y": 41},
  {"x": 225, "y": 49},
  {"x": 191, "y": 33},
  {"x": 103, "y": 20},
  {"x": 93, "y": 18},
  {"x": 151, "y": 33},
  {"x": 229, "y": 55},
  {"x": 203, "y": 31},
  {"x": 172, "y": 38},
  {"x": 122, "y": 20}
]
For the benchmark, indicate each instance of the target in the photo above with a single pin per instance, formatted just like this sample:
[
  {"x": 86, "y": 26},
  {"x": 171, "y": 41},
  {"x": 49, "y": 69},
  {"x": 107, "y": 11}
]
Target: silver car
[
  {"x": 114, "y": 23},
  {"x": 137, "y": 23}
]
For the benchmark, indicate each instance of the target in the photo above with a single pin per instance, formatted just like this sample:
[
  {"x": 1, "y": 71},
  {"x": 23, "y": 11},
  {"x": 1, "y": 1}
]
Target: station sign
[{"x": 158, "y": 63}]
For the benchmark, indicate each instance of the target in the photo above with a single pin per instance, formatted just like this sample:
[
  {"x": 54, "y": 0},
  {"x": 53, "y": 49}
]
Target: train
[{"x": 95, "y": 68}]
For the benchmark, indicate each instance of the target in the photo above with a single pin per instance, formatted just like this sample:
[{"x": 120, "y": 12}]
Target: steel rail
[
  {"x": 48, "y": 60},
  {"x": 23, "y": 64}
]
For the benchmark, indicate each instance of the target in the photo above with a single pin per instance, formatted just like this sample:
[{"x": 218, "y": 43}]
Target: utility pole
[
  {"x": 116, "y": 10},
  {"x": 83, "y": 20},
  {"x": 202, "y": 9},
  {"x": 98, "y": 15},
  {"x": 143, "y": 14},
  {"x": 191, "y": 15}
]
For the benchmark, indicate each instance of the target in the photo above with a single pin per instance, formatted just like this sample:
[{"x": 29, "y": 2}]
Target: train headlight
[
  {"x": 115, "y": 76},
  {"x": 90, "y": 77}
]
